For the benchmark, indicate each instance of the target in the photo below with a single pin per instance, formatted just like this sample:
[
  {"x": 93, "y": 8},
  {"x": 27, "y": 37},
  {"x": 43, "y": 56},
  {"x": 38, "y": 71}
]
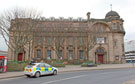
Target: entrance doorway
[
  {"x": 20, "y": 56},
  {"x": 100, "y": 58}
]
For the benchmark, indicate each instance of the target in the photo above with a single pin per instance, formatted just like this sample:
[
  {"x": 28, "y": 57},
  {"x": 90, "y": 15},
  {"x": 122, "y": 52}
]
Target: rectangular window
[
  {"x": 70, "y": 55},
  {"x": 81, "y": 54},
  {"x": 70, "y": 41},
  {"x": 101, "y": 40},
  {"x": 48, "y": 54},
  {"x": 114, "y": 26},
  {"x": 38, "y": 53},
  {"x": 50, "y": 41},
  {"x": 120, "y": 27},
  {"x": 39, "y": 41},
  {"x": 81, "y": 41},
  {"x": 118, "y": 24},
  {"x": 115, "y": 43},
  {"x": 60, "y": 41},
  {"x": 60, "y": 54}
]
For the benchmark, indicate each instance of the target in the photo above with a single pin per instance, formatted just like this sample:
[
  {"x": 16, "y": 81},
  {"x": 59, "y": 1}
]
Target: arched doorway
[{"x": 100, "y": 55}]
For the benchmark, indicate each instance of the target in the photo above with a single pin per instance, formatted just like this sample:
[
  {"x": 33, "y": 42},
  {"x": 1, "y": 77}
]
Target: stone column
[
  {"x": 43, "y": 52},
  {"x": 110, "y": 48},
  {"x": 75, "y": 50},
  {"x": 65, "y": 50}
]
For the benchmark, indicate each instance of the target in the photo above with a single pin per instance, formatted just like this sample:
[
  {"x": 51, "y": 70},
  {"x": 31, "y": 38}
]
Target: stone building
[{"x": 72, "y": 40}]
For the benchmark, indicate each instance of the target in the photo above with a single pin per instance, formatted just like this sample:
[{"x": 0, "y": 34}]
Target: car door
[
  {"x": 48, "y": 68},
  {"x": 42, "y": 68}
]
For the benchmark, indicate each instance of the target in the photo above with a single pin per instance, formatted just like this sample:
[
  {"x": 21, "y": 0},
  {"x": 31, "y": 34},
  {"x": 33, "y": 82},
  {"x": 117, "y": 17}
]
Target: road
[{"x": 110, "y": 76}]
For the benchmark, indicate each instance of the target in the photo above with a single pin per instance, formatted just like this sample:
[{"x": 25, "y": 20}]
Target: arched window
[{"x": 100, "y": 50}]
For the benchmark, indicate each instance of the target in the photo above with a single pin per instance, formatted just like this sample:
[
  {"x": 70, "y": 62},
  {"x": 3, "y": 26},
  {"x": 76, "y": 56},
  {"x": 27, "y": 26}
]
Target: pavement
[
  {"x": 129, "y": 82},
  {"x": 71, "y": 68}
]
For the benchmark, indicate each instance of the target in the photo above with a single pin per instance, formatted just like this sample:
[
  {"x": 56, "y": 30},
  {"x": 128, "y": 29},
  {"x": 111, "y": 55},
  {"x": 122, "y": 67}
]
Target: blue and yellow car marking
[
  {"x": 43, "y": 69},
  {"x": 46, "y": 69},
  {"x": 34, "y": 69},
  {"x": 38, "y": 69},
  {"x": 49, "y": 69}
]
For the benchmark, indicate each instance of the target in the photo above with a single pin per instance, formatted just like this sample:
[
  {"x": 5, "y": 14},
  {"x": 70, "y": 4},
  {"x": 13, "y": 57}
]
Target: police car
[{"x": 38, "y": 69}]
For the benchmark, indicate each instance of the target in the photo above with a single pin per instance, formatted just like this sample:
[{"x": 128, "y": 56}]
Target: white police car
[{"x": 38, "y": 69}]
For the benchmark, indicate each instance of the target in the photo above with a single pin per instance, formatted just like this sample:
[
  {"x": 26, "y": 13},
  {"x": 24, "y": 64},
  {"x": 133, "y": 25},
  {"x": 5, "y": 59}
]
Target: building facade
[
  {"x": 3, "y": 53},
  {"x": 70, "y": 40},
  {"x": 130, "y": 51},
  {"x": 129, "y": 45}
]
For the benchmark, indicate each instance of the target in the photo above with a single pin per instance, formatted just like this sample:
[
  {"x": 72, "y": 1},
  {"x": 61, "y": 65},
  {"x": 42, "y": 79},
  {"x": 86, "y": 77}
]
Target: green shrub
[
  {"x": 88, "y": 64},
  {"x": 58, "y": 63},
  {"x": 19, "y": 62},
  {"x": 84, "y": 65},
  {"x": 76, "y": 62},
  {"x": 16, "y": 66},
  {"x": 116, "y": 62},
  {"x": 53, "y": 59}
]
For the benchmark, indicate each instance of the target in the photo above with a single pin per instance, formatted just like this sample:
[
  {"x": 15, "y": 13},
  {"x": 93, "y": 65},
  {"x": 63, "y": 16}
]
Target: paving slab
[{"x": 129, "y": 82}]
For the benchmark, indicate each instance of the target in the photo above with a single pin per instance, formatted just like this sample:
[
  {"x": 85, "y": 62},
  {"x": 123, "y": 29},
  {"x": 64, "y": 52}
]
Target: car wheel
[
  {"x": 37, "y": 74},
  {"x": 54, "y": 72},
  {"x": 28, "y": 76}
]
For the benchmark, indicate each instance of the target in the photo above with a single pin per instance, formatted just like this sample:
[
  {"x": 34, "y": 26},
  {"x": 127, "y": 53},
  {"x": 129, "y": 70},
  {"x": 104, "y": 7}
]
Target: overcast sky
[{"x": 78, "y": 8}]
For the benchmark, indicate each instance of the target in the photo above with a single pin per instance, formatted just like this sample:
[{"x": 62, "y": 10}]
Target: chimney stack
[{"x": 88, "y": 16}]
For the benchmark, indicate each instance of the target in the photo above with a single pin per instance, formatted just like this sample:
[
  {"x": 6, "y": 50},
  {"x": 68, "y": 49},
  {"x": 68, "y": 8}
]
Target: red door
[
  {"x": 20, "y": 56},
  {"x": 100, "y": 59}
]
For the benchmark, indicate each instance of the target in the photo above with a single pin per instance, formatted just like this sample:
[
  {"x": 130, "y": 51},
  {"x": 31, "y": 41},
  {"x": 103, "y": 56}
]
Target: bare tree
[
  {"x": 58, "y": 36},
  {"x": 89, "y": 37},
  {"x": 16, "y": 26}
]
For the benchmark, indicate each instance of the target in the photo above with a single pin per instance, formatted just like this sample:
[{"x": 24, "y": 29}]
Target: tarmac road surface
[{"x": 109, "y": 76}]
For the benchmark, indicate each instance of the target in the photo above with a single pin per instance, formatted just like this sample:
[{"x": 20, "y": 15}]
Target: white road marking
[
  {"x": 9, "y": 78},
  {"x": 64, "y": 79}
]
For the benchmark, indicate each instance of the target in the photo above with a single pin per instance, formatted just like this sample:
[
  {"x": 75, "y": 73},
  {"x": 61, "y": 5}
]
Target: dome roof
[{"x": 112, "y": 14}]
